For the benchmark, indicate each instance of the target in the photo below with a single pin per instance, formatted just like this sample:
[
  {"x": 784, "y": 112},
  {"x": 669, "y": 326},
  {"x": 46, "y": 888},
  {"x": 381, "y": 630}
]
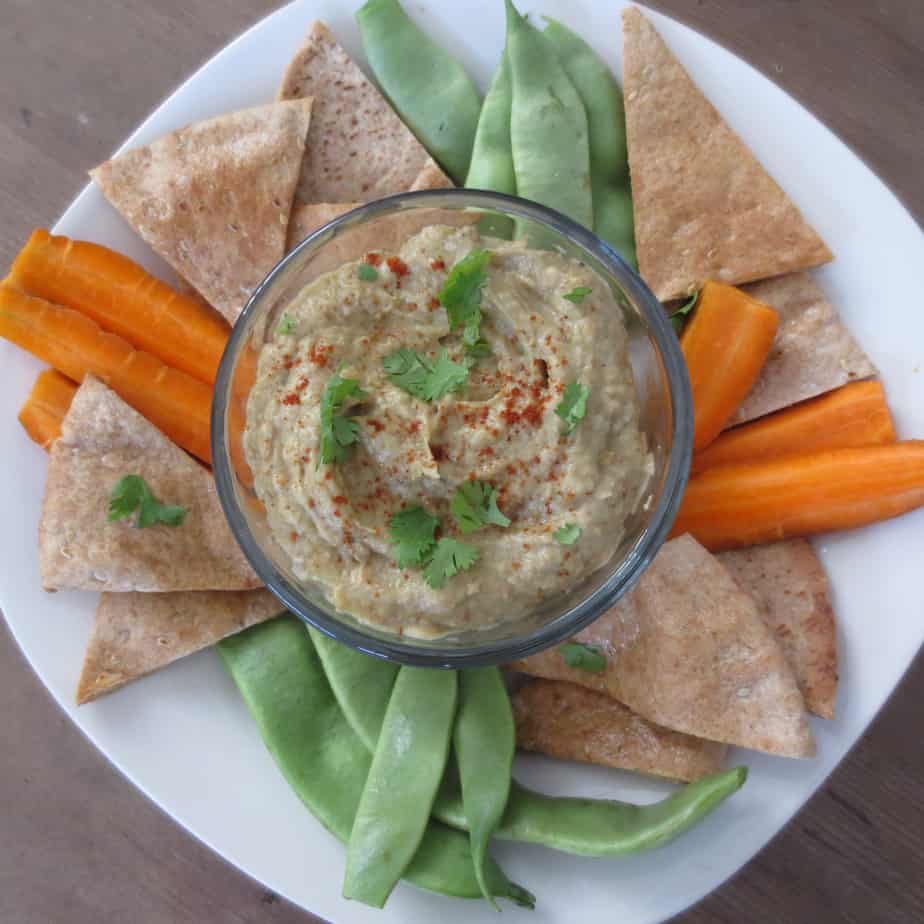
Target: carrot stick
[
  {"x": 725, "y": 345},
  {"x": 75, "y": 345},
  {"x": 753, "y": 503},
  {"x": 46, "y": 406},
  {"x": 855, "y": 415},
  {"x": 124, "y": 299}
]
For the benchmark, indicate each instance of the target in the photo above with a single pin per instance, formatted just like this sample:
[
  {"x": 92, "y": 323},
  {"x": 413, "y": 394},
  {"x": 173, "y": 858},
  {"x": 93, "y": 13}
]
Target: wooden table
[{"x": 78, "y": 844}]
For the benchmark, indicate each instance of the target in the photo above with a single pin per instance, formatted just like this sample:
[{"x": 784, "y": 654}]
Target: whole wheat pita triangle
[
  {"x": 135, "y": 634},
  {"x": 213, "y": 199},
  {"x": 689, "y": 650},
  {"x": 358, "y": 148},
  {"x": 102, "y": 440},
  {"x": 705, "y": 208}
]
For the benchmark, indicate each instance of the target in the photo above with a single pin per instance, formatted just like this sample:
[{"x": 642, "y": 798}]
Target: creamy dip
[{"x": 501, "y": 429}]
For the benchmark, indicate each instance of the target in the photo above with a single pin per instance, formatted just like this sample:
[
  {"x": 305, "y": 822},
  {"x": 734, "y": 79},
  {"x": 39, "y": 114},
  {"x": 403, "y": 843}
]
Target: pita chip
[
  {"x": 791, "y": 587},
  {"x": 136, "y": 634},
  {"x": 571, "y": 723},
  {"x": 689, "y": 650},
  {"x": 358, "y": 147},
  {"x": 102, "y": 440},
  {"x": 704, "y": 206},
  {"x": 813, "y": 351},
  {"x": 307, "y": 218},
  {"x": 213, "y": 199}
]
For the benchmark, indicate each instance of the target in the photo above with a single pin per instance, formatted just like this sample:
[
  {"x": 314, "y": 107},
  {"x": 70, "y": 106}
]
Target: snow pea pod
[
  {"x": 429, "y": 88},
  {"x": 280, "y": 678},
  {"x": 407, "y": 766},
  {"x": 606, "y": 126},
  {"x": 548, "y": 125},
  {"x": 361, "y": 684},
  {"x": 492, "y": 159},
  {"x": 599, "y": 827},
  {"x": 484, "y": 739}
]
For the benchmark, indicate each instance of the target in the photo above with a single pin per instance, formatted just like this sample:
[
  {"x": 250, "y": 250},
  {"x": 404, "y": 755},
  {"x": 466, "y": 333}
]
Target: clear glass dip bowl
[{"x": 662, "y": 389}]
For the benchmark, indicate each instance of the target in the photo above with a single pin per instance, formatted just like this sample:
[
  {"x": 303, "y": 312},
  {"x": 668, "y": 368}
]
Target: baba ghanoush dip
[{"x": 447, "y": 436}]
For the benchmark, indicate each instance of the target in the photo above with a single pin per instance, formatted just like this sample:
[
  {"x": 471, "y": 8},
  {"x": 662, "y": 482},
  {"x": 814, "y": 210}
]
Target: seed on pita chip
[
  {"x": 790, "y": 584},
  {"x": 135, "y": 634},
  {"x": 688, "y": 650},
  {"x": 213, "y": 199},
  {"x": 704, "y": 206},
  {"x": 813, "y": 351},
  {"x": 572, "y": 723},
  {"x": 102, "y": 440},
  {"x": 358, "y": 147}
]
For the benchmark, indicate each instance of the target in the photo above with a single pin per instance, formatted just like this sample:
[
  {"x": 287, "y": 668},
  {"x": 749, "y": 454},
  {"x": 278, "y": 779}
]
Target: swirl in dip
[{"x": 500, "y": 428}]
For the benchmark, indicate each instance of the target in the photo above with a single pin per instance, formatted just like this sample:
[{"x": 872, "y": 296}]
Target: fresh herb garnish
[
  {"x": 337, "y": 430},
  {"x": 367, "y": 272},
  {"x": 478, "y": 350},
  {"x": 679, "y": 317},
  {"x": 449, "y": 558},
  {"x": 132, "y": 493},
  {"x": 578, "y": 294},
  {"x": 567, "y": 534},
  {"x": 411, "y": 531},
  {"x": 286, "y": 325},
  {"x": 475, "y": 505},
  {"x": 423, "y": 378},
  {"x": 461, "y": 295},
  {"x": 583, "y": 657},
  {"x": 573, "y": 405}
]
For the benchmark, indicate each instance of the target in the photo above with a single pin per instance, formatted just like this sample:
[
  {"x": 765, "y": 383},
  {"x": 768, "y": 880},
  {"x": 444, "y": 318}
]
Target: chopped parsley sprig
[
  {"x": 573, "y": 405},
  {"x": 474, "y": 505},
  {"x": 337, "y": 430},
  {"x": 422, "y": 377},
  {"x": 412, "y": 531},
  {"x": 461, "y": 297},
  {"x": 132, "y": 493}
]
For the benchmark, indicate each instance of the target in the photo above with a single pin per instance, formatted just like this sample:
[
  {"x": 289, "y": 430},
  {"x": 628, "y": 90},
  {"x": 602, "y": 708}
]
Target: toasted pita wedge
[
  {"x": 213, "y": 199},
  {"x": 688, "y": 650},
  {"x": 790, "y": 584},
  {"x": 358, "y": 148},
  {"x": 571, "y": 723},
  {"x": 813, "y": 351},
  {"x": 103, "y": 439},
  {"x": 704, "y": 206},
  {"x": 135, "y": 634}
]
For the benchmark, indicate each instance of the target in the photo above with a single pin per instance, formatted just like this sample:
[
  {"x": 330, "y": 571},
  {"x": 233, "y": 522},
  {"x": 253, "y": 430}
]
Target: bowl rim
[{"x": 624, "y": 575}]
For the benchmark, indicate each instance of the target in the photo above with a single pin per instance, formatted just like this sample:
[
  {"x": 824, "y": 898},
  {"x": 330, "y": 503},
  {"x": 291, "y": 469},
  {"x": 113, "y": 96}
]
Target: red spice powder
[
  {"x": 438, "y": 264},
  {"x": 397, "y": 266},
  {"x": 291, "y": 398},
  {"x": 319, "y": 354},
  {"x": 373, "y": 259}
]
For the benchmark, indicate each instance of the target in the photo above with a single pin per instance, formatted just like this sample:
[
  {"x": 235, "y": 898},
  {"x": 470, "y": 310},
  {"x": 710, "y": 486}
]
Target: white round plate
[{"x": 184, "y": 737}]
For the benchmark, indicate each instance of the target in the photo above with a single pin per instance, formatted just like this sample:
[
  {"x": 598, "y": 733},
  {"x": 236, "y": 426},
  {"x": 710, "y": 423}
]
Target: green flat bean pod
[
  {"x": 280, "y": 677},
  {"x": 407, "y": 765},
  {"x": 429, "y": 88},
  {"x": 548, "y": 125},
  {"x": 588, "y": 827},
  {"x": 484, "y": 740},
  {"x": 606, "y": 126}
]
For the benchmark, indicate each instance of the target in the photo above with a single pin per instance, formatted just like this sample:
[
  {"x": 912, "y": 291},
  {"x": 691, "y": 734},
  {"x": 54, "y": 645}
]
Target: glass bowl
[{"x": 662, "y": 391}]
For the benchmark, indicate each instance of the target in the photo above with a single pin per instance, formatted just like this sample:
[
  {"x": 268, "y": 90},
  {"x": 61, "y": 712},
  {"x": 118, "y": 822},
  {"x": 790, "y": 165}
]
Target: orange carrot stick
[
  {"x": 753, "y": 503},
  {"x": 46, "y": 406},
  {"x": 124, "y": 299},
  {"x": 173, "y": 401},
  {"x": 725, "y": 345},
  {"x": 855, "y": 415}
]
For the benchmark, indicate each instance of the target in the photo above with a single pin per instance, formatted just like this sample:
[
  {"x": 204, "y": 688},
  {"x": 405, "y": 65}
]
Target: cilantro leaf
[
  {"x": 337, "y": 431},
  {"x": 411, "y": 531},
  {"x": 132, "y": 493},
  {"x": 478, "y": 350},
  {"x": 286, "y": 325},
  {"x": 418, "y": 376},
  {"x": 367, "y": 272},
  {"x": 577, "y": 295},
  {"x": 567, "y": 534},
  {"x": 679, "y": 317},
  {"x": 474, "y": 505},
  {"x": 449, "y": 558},
  {"x": 461, "y": 295},
  {"x": 584, "y": 657},
  {"x": 573, "y": 405}
]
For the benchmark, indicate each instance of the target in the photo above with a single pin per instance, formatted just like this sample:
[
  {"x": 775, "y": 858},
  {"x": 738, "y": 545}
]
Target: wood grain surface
[{"x": 78, "y": 844}]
